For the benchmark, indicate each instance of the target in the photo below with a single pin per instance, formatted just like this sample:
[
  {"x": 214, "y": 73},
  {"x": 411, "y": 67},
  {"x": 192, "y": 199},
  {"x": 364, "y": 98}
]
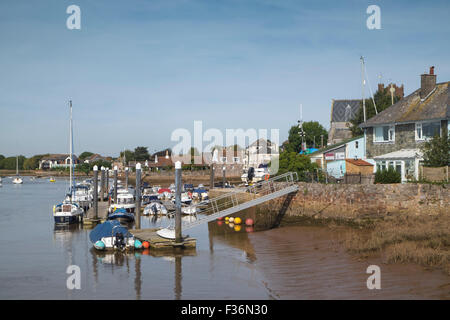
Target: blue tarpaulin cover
[{"x": 106, "y": 230}]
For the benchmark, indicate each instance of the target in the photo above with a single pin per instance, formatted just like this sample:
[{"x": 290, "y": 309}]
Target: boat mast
[
  {"x": 17, "y": 165},
  {"x": 71, "y": 156},
  {"x": 363, "y": 83}
]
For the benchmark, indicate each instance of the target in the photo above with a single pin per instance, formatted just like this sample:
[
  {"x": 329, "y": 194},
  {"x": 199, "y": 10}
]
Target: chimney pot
[{"x": 432, "y": 70}]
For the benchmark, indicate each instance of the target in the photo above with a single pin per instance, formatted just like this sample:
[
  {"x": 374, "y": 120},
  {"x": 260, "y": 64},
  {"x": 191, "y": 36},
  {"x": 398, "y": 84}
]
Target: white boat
[
  {"x": 17, "y": 179},
  {"x": 69, "y": 211},
  {"x": 82, "y": 196},
  {"x": 257, "y": 175},
  {"x": 125, "y": 200},
  {"x": 154, "y": 208}
]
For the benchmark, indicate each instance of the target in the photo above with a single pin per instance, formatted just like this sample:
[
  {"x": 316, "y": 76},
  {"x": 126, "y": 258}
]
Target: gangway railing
[{"x": 244, "y": 198}]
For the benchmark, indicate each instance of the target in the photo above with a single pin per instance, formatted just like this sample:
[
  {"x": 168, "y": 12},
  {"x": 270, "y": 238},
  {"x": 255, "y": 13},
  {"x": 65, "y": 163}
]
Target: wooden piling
[
  {"x": 115, "y": 184},
  {"x": 178, "y": 238},
  {"x": 95, "y": 192},
  {"x": 138, "y": 195},
  {"x": 211, "y": 177},
  {"x": 102, "y": 183}
]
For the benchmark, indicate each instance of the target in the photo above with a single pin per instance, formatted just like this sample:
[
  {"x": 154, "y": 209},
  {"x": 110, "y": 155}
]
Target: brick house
[{"x": 395, "y": 135}]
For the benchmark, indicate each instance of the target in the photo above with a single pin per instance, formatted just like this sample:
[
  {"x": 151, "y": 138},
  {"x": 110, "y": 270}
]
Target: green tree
[
  {"x": 141, "y": 154},
  {"x": 436, "y": 152},
  {"x": 382, "y": 100},
  {"x": 313, "y": 131},
  {"x": 10, "y": 163},
  {"x": 85, "y": 155},
  {"x": 33, "y": 162},
  {"x": 388, "y": 176},
  {"x": 129, "y": 155},
  {"x": 291, "y": 161}
]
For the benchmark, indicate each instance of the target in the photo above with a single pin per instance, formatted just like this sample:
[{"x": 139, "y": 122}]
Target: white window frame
[
  {"x": 390, "y": 130},
  {"x": 420, "y": 125}
]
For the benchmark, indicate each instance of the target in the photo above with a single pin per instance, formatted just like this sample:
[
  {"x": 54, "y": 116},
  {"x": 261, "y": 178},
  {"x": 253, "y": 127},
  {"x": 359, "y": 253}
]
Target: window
[
  {"x": 356, "y": 144},
  {"x": 384, "y": 134},
  {"x": 235, "y": 159},
  {"x": 223, "y": 159},
  {"x": 427, "y": 130}
]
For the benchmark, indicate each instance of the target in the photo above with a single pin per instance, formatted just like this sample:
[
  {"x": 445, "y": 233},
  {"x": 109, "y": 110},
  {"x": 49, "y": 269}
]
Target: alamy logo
[
  {"x": 74, "y": 280},
  {"x": 374, "y": 20},
  {"x": 374, "y": 281},
  {"x": 74, "y": 20}
]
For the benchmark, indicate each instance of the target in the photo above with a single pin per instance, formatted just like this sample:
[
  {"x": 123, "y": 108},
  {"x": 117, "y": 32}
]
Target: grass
[{"x": 423, "y": 240}]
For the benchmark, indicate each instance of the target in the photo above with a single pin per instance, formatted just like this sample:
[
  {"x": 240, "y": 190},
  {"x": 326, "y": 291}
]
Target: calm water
[{"x": 288, "y": 263}]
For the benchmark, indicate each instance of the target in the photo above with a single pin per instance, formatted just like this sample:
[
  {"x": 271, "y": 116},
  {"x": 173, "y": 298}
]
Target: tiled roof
[
  {"x": 344, "y": 110},
  {"x": 359, "y": 162},
  {"x": 412, "y": 108}
]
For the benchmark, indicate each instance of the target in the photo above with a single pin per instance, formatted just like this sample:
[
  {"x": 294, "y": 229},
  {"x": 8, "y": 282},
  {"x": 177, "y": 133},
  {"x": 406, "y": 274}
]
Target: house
[
  {"x": 95, "y": 157},
  {"x": 57, "y": 161},
  {"x": 395, "y": 135},
  {"x": 259, "y": 153},
  {"x": 342, "y": 111},
  {"x": 334, "y": 158}
]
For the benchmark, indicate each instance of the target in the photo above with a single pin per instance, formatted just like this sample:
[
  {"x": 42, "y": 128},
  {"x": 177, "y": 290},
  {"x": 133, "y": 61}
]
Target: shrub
[{"x": 388, "y": 176}]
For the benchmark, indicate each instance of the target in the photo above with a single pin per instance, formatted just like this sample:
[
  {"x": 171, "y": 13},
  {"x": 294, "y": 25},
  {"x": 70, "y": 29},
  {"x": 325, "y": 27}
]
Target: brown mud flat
[{"x": 312, "y": 262}]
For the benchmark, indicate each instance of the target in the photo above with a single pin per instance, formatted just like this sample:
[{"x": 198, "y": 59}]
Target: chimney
[
  {"x": 167, "y": 154},
  {"x": 380, "y": 87},
  {"x": 427, "y": 83}
]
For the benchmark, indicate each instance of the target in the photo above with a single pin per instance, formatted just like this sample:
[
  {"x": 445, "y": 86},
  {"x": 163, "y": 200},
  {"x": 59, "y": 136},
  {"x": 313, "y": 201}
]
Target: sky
[{"x": 137, "y": 70}]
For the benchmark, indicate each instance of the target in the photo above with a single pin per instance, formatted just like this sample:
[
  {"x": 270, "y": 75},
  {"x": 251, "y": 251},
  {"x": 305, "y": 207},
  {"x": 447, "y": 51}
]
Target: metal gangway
[{"x": 244, "y": 198}]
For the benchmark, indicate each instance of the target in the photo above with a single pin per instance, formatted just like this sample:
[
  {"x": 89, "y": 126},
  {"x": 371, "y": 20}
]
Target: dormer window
[{"x": 384, "y": 134}]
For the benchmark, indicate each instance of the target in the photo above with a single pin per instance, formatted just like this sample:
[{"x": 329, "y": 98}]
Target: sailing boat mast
[
  {"x": 71, "y": 151},
  {"x": 17, "y": 165},
  {"x": 363, "y": 83}
]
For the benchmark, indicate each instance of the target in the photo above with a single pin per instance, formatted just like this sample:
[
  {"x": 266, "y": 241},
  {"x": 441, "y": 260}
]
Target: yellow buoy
[
  {"x": 227, "y": 218},
  {"x": 237, "y": 220},
  {"x": 237, "y": 228}
]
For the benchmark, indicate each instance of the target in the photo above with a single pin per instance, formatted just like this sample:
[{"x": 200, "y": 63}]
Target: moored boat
[{"x": 112, "y": 235}]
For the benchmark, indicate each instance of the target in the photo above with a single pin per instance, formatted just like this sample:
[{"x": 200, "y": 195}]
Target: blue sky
[{"x": 139, "y": 69}]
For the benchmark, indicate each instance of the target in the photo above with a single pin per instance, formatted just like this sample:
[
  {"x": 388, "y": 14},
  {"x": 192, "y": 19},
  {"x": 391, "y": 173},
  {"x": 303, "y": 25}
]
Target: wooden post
[
  {"x": 95, "y": 192},
  {"x": 102, "y": 183},
  {"x": 223, "y": 176},
  {"x": 138, "y": 194},
  {"x": 107, "y": 186},
  {"x": 211, "y": 177},
  {"x": 178, "y": 238},
  {"x": 115, "y": 185}
]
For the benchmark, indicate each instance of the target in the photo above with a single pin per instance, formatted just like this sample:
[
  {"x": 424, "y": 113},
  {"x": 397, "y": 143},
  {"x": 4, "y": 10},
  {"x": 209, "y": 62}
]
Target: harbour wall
[{"x": 349, "y": 203}]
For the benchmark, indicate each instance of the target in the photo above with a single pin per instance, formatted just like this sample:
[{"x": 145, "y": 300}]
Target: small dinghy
[
  {"x": 121, "y": 214},
  {"x": 168, "y": 233},
  {"x": 155, "y": 208},
  {"x": 112, "y": 235},
  {"x": 190, "y": 210}
]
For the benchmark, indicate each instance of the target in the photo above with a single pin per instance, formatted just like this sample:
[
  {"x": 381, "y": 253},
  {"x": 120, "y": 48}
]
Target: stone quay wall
[{"x": 351, "y": 203}]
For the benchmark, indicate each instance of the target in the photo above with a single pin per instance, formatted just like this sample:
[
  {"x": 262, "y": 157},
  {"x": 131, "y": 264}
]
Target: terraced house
[{"x": 394, "y": 136}]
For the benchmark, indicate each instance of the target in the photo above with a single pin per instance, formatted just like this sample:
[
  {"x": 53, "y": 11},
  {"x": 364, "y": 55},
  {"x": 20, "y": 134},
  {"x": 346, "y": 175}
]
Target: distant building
[
  {"x": 259, "y": 153},
  {"x": 95, "y": 157},
  {"x": 57, "y": 161},
  {"x": 334, "y": 158},
  {"x": 395, "y": 135},
  {"x": 342, "y": 111}
]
